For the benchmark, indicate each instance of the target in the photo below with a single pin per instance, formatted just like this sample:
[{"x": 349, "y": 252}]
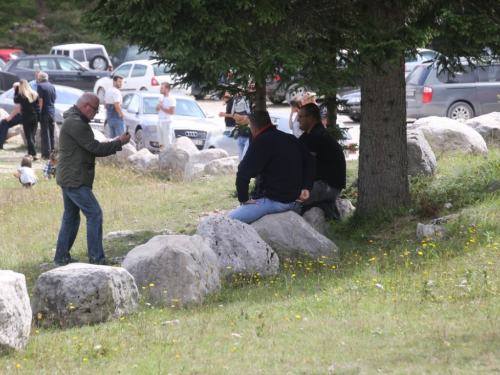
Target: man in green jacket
[{"x": 75, "y": 174}]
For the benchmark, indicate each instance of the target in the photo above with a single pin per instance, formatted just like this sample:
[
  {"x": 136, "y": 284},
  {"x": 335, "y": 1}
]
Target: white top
[
  {"x": 28, "y": 175},
  {"x": 240, "y": 105},
  {"x": 168, "y": 102},
  {"x": 112, "y": 96}
]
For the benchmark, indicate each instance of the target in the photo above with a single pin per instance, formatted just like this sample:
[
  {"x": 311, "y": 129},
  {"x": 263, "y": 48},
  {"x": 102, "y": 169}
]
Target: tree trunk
[
  {"x": 260, "y": 96},
  {"x": 383, "y": 161}
]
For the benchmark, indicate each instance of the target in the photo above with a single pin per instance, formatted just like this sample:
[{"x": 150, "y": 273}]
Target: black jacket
[
  {"x": 28, "y": 110},
  {"x": 283, "y": 164}
]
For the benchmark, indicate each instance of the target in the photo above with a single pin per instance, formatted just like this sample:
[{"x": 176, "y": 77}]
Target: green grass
[{"x": 391, "y": 304}]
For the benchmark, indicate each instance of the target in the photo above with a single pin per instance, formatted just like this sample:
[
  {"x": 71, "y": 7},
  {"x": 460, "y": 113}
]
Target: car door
[
  {"x": 137, "y": 78},
  {"x": 49, "y": 65},
  {"x": 488, "y": 88},
  {"x": 130, "y": 106},
  {"x": 77, "y": 75},
  {"x": 22, "y": 68}
]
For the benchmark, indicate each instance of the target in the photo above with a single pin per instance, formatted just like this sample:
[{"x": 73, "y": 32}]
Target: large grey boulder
[
  {"x": 174, "y": 157},
  {"x": 38, "y": 137},
  {"x": 292, "y": 237},
  {"x": 81, "y": 293},
  {"x": 315, "y": 217},
  {"x": 143, "y": 160},
  {"x": 421, "y": 158},
  {"x": 223, "y": 166},
  {"x": 238, "y": 247},
  {"x": 120, "y": 157},
  {"x": 486, "y": 125},
  {"x": 174, "y": 268},
  {"x": 447, "y": 136},
  {"x": 195, "y": 166},
  {"x": 15, "y": 312}
]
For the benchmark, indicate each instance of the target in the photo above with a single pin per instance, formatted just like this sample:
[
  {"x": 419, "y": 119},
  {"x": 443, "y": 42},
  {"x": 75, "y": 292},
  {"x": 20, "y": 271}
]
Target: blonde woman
[{"x": 30, "y": 111}]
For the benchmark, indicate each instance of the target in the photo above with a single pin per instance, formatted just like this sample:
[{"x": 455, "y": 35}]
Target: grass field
[{"x": 391, "y": 304}]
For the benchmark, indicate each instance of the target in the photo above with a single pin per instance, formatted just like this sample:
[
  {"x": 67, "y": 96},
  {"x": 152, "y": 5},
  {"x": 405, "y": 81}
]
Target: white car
[
  {"x": 93, "y": 56},
  {"x": 189, "y": 120},
  {"x": 143, "y": 75}
]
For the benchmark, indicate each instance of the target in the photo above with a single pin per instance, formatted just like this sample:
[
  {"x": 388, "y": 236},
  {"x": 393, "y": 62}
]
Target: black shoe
[
  {"x": 66, "y": 262},
  {"x": 103, "y": 262},
  {"x": 35, "y": 158}
]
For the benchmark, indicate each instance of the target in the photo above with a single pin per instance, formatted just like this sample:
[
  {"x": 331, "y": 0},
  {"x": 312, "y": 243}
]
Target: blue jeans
[
  {"x": 243, "y": 143},
  {"x": 116, "y": 127},
  {"x": 248, "y": 213},
  {"x": 75, "y": 200}
]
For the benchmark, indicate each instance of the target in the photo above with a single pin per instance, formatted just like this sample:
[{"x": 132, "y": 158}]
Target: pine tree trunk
[{"x": 383, "y": 177}]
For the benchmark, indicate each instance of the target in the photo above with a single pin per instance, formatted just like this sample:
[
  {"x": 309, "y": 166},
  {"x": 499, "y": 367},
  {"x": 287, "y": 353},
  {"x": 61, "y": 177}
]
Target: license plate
[
  {"x": 410, "y": 92},
  {"x": 198, "y": 142}
]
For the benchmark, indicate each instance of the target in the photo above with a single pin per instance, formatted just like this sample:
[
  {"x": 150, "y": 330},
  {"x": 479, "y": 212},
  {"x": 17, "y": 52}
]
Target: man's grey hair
[
  {"x": 42, "y": 76},
  {"x": 86, "y": 98}
]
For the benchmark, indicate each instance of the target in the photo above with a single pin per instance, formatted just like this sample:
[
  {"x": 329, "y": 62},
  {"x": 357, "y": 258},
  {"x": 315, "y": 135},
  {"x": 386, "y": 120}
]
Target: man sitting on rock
[
  {"x": 330, "y": 177},
  {"x": 284, "y": 168}
]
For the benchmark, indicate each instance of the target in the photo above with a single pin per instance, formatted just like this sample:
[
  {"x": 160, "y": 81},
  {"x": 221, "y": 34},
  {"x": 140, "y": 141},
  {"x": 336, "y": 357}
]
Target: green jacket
[{"x": 78, "y": 150}]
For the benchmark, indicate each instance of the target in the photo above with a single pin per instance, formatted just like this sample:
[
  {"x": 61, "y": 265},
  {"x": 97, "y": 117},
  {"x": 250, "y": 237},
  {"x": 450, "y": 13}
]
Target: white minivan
[{"x": 93, "y": 56}]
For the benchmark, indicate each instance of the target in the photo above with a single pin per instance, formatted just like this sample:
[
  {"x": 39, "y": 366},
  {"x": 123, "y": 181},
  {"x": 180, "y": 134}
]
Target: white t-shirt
[
  {"x": 112, "y": 96},
  {"x": 168, "y": 102},
  {"x": 28, "y": 175}
]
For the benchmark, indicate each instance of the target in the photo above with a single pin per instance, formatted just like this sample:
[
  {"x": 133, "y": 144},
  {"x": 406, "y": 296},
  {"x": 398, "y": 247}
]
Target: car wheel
[
  {"x": 275, "y": 100},
  {"x": 460, "y": 111},
  {"x": 199, "y": 97},
  {"x": 355, "y": 118},
  {"x": 139, "y": 140},
  {"x": 144, "y": 89},
  {"x": 293, "y": 91},
  {"x": 100, "y": 94},
  {"x": 99, "y": 62}
]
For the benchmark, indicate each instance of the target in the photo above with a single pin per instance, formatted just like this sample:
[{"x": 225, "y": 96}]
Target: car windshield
[
  {"x": 150, "y": 104},
  {"x": 161, "y": 69},
  {"x": 188, "y": 108},
  {"x": 67, "y": 97}
]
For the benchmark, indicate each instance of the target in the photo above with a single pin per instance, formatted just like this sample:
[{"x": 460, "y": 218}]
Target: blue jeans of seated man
[
  {"x": 6, "y": 125},
  {"x": 248, "y": 213},
  {"x": 116, "y": 127},
  {"x": 243, "y": 143},
  {"x": 76, "y": 200}
]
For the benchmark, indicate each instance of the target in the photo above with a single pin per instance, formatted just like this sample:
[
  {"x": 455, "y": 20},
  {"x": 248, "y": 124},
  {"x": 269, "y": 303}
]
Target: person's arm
[
  {"x": 308, "y": 168},
  {"x": 17, "y": 174},
  {"x": 41, "y": 103},
  {"x": 169, "y": 111},
  {"x": 119, "y": 110},
  {"x": 224, "y": 114},
  {"x": 14, "y": 113}
]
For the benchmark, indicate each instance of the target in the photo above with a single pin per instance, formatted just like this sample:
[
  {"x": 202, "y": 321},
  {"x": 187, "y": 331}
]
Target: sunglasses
[{"x": 96, "y": 109}]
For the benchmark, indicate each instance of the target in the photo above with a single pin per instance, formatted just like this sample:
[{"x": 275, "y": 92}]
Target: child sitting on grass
[
  {"x": 26, "y": 174},
  {"x": 50, "y": 168}
]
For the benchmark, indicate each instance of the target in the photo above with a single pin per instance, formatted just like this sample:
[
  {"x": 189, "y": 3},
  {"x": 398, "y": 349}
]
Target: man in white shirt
[
  {"x": 114, "y": 113},
  {"x": 165, "y": 109}
]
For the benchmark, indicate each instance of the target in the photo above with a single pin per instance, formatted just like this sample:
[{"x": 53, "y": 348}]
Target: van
[
  {"x": 430, "y": 91},
  {"x": 93, "y": 56}
]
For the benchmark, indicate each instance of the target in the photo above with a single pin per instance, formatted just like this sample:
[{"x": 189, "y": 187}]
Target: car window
[
  {"x": 123, "y": 70},
  {"x": 94, "y": 52},
  {"x": 78, "y": 55},
  {"x": 66, "y": 53},
  {"x": 188, "y": 108},
  {"x": 457, "y": 77},
  {"x": 488, "y": 73},
  {"x": 69, "y": 65},
  {"x": 45, "y": 63},
  {"x": 52, "y": 52},
  {"x": 150, "y": 104},
  {"x": 139, "y": 70},
  {"x": 161, "y": 69},
  {"x": 418, "y": 75},
  {"x": 22, "y": 64},
  {"x": 126, "y": 100},
  {"x": 428, "y": 55},
  {"x": 134, "y": 103}
]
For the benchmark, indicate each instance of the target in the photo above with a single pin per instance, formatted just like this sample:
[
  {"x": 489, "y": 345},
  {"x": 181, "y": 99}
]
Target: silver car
[
  {"x": 189, "y": 120},
  {"x": 430, "y": 91}
]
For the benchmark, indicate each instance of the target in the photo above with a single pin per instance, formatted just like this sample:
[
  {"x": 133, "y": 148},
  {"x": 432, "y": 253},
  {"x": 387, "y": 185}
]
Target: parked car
[
  {"x": 421, "y": 56},
  {"x": 2, "y": 64},
  {"x": 430, "y": 91},
  {"x": 189, "y": 120},
  {"x": 145, "y": 75},
  {"x": 350, "y": 104},
  {"x": 130, "y": 53},
  {"x": 93, "y": 56},
  {"x": 7, "y": 80},
  {"x": 7, "y": 54},
  {"x": 62, "y": 70},
  {"x": 66, "y": 97}
]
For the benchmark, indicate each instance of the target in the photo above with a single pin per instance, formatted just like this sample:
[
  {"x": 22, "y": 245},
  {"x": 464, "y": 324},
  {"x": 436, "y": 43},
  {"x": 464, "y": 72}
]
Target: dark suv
[
  {"x": 62, "y": 70},
  {"x": 430, "y": 91}
]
